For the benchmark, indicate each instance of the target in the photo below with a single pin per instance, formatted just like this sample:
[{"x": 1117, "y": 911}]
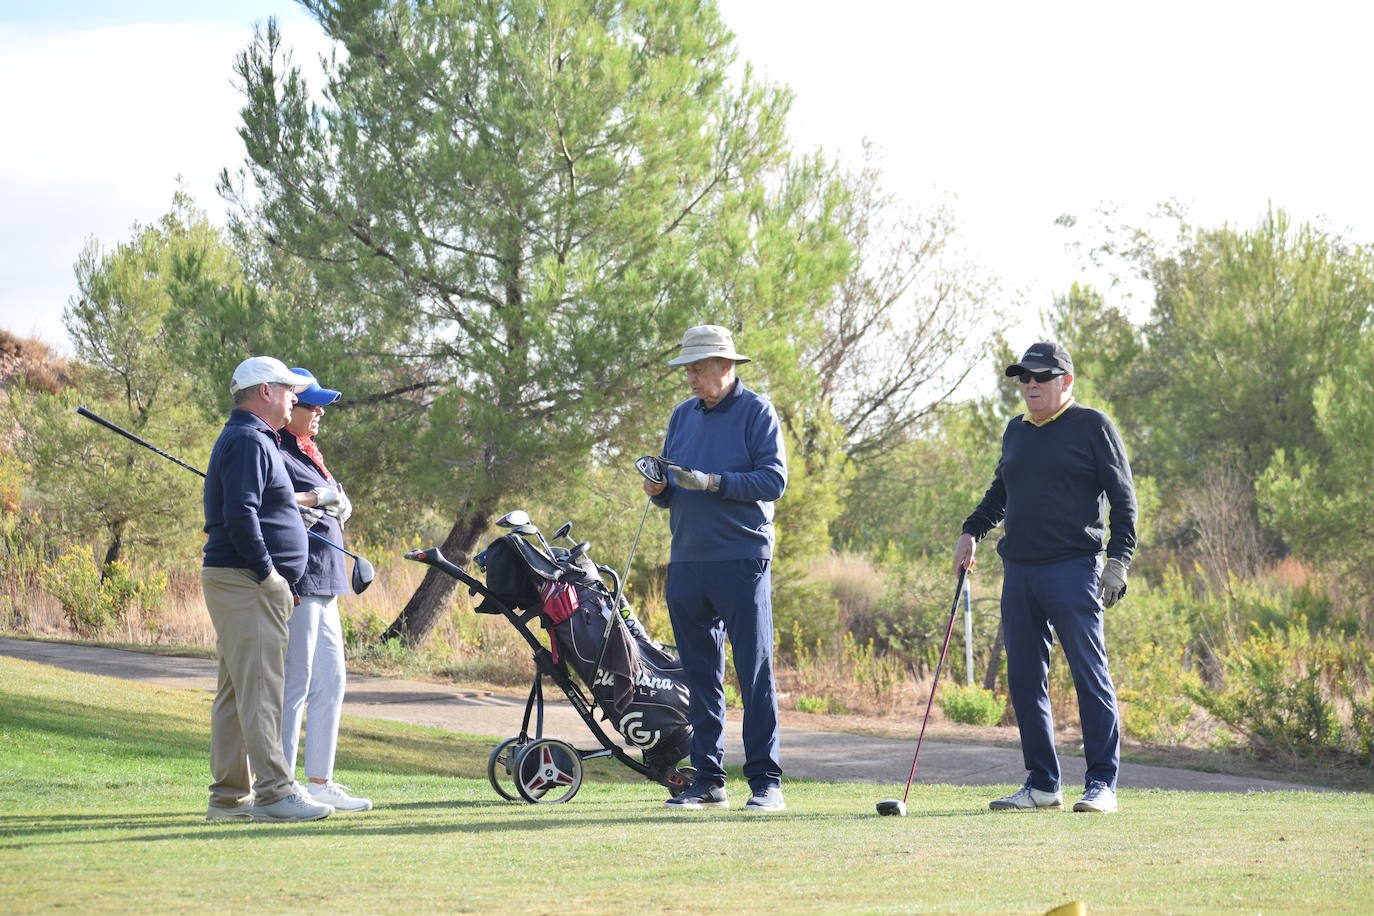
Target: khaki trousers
[{"x": 251, "y": 635}]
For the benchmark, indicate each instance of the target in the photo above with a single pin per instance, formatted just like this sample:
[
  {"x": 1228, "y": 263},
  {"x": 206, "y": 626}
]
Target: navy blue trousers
[
  {"x": 707, "y": 602},
  {"x": 1063, "y": 595}
]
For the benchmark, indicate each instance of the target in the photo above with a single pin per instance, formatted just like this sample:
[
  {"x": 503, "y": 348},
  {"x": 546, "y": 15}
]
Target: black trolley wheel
[
  {"x": 547, "y": 771},
  {"x": 501, "y": 767}
]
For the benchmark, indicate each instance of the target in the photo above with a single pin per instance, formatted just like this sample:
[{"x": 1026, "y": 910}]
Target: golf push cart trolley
[{"x": 636, "y": 682}]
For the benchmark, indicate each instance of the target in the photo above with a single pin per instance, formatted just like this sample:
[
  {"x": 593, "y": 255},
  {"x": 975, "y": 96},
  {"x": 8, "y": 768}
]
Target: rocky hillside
[{"x": 30, "y": 360}]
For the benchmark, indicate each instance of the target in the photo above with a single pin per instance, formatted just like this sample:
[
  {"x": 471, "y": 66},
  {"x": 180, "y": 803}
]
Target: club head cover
[{"x": 651, "y": 467}]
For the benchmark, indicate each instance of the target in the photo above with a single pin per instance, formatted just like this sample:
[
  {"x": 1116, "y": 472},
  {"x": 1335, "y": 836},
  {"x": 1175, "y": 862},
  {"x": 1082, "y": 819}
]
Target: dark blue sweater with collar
[
  {"x": 325, "y": 573},
  {"x": 739, "y": 439},
  {"x": 250, "y": 505},
  {"x": 1061, "y": 488}
]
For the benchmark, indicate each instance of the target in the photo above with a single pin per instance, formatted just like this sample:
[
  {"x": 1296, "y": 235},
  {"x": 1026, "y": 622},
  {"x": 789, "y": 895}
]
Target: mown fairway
[{"x": 102, "y": 804}]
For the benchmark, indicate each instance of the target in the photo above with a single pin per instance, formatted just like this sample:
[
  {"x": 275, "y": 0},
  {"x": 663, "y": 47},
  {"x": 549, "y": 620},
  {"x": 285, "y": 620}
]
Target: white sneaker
[
  {"x": 296, "y": 806},
  {"x": 336, "y": 795},
  {"x": 1099, "y": 798},
  {"x": 1027, "y": 798},
  {"x": 243, "y": 811}
]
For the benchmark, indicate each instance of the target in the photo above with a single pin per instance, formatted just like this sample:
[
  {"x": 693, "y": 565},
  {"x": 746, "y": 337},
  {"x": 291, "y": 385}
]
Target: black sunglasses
[
  {"x": 304, "y": 406},
  {"x": 1043, "y": 376}
]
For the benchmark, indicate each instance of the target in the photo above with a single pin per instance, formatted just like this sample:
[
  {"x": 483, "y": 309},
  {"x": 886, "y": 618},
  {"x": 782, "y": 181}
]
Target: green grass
[{"x": 102, "y": 802}]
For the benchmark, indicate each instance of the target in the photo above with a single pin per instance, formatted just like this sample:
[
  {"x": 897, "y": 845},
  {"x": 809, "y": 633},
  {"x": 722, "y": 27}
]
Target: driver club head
[
  {"x": 514, "y": 519},
  {"x": 363, "y": 573},
  {"x": 649, "y": 467},
  {"x": 893, "y": 807}
]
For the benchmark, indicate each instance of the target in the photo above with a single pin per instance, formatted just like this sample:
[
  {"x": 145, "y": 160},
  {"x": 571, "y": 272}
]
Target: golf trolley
[{"x": 634, "y": 681}]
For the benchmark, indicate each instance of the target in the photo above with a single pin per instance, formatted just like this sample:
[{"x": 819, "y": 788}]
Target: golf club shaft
[
  {"x": 132, "y": 438},
  {"x": 194, "y": 470},
  {"x": 934, "y": 685},
  {"x": 620, "y": 590}
]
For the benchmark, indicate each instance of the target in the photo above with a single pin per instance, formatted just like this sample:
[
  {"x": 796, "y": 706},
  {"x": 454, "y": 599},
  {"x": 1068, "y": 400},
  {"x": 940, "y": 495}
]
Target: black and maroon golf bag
[{"x": 640, "y": 688}]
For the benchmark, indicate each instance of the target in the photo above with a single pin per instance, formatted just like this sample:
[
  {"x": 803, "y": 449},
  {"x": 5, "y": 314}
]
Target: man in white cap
[
  {"x": 255, "y": 552},
  {"x": 726, "y": 467}
]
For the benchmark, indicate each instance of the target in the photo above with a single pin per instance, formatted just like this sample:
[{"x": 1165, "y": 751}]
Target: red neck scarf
[{"x": 312, "y": 451}]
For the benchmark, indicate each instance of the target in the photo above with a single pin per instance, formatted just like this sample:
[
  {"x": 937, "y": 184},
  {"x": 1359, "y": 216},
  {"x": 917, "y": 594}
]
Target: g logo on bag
[{"x": 632, "y": 727}]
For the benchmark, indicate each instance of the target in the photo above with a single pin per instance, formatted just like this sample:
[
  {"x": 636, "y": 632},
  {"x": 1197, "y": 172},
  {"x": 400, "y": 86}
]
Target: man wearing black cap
[{"x": 1062, "y": 466}]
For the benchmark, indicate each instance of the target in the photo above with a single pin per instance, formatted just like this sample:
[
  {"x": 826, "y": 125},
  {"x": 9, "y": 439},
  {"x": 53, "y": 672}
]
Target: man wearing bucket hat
[
  {"x": 255, "y": 553},
  {"x": 315, "y": 672},
  {"x": 726, "y": 467},
  {"x": 1062, "y": 466}
]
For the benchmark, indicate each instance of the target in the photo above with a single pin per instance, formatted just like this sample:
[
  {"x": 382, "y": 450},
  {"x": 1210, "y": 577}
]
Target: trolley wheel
[
  {"x": 679, "y": 780},
  {"x": 501, "y": 767},
  {"x": 547, "y": 771}
]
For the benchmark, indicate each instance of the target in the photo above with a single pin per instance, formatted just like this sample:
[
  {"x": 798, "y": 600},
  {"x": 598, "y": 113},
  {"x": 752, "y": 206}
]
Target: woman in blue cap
[{"x": 315, "y": 655}]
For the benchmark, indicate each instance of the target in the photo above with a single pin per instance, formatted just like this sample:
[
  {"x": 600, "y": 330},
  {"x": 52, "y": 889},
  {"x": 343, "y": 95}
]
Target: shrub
[
  {"x": 971, "y": 705},
  {"x": 1153, "y": 685},
  {"x": 74, "y": 580},
  {"x": 92, "y": 602},
  {"x": 1284, "y": 689},
  {"x": 819, "y": 705}
]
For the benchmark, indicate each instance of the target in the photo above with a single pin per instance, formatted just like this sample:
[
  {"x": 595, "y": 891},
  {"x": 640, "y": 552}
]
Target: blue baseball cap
[{"x": 315, "y": 395}]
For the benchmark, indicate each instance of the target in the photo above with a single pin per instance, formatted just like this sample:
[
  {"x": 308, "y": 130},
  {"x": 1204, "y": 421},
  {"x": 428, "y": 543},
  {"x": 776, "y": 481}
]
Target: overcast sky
[{"x": 1018, "y": 112}]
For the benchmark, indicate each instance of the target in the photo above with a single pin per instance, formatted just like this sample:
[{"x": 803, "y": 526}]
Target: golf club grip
[{"x": 89, "y": 415}]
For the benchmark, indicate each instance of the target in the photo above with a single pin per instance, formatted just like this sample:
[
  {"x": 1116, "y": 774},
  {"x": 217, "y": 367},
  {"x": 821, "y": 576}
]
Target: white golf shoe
[
  {"x": 1027, "y": 798},
  {"x": 295, "y": 806},
  {"x": 332, "y": 793},
  {"x": 1099, "y": 798}
]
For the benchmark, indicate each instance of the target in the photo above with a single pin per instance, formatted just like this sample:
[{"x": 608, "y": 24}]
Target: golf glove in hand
[
  {"x": 1111, "y": 586},
  {"x": 342, "y": 510},
  {"x": 310, "y": 515},
  {"x": 326, "y": 496},
  {"x": 688, "y": 479}
]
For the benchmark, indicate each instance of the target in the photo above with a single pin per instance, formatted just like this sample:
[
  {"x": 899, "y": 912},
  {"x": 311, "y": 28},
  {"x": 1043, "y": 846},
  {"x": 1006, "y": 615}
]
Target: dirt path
[{"x": 806, "y": 753}]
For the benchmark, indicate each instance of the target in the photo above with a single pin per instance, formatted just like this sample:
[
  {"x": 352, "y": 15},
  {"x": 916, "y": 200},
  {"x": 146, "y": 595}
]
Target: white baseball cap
[{"x": 259, "y": 369}]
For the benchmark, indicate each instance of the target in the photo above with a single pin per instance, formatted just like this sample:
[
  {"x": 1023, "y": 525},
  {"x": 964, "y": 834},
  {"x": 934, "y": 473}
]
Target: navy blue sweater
[
  {"x": 739, "y": 439},
  {"x": 250, "y": 505},
  {"x": 325, "y": 573},
  {"x": 1054, "y": 484}
]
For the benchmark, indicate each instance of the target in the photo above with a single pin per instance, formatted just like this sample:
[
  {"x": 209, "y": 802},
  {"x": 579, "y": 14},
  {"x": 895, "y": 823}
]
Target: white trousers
[{"x": 314, "y": 685}]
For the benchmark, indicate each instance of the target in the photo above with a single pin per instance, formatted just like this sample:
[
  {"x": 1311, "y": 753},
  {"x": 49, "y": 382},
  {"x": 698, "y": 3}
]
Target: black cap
[{"x": 1041, "y": 356}]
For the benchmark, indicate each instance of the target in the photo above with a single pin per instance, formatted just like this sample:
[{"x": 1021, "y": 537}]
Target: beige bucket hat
[{"x": 705, "y": 341}]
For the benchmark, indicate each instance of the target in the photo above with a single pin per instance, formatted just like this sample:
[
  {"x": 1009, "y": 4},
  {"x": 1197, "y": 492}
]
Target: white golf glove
[
  {"x": 1111, "y": 586},
  {"x": 343, "y": 509},
  {"x": 688, "y": 479},
  {"x": 326, "y": 496},
  {"x": 310, "y": 515}
]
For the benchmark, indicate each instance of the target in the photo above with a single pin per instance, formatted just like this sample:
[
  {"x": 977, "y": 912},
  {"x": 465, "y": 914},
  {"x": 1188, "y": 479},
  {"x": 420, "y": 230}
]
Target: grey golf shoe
[
  {"x": 767, "y": 799},
  {"x": 1027, "y": 798},
  {"x": 1099, "y": 798},
  {"x": 243, "y": 811},
  {"x": 701, "y": 795},
  {"x": 295, "y": 806}
]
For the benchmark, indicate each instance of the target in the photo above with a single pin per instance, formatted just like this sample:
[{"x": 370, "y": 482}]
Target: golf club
[
  {"x": 648, "y": 466},
  {"x": 519, "y": 522},
  {"x": 896, "y": 807},
  {"x": 363, "y": 572}
]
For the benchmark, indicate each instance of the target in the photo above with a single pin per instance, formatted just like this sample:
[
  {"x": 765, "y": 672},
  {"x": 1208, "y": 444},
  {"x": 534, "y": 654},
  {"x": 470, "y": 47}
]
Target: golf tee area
[{"x": 102, "y": 799}]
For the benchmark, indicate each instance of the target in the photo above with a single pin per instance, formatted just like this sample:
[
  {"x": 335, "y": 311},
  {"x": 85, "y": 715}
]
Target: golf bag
[{"x": 640, "y": 688}]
